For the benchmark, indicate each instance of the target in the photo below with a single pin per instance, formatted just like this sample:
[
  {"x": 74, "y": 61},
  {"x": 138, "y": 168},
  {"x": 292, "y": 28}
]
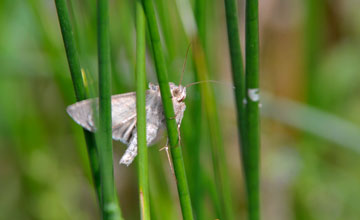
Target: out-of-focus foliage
[{"x": 43, "y": 162}]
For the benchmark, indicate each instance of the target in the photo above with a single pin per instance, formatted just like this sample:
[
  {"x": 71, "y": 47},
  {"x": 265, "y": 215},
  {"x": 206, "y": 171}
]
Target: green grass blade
[
  {"x": 251, "y": 153},
  {"x": 109, "y": 204},
  {"x": 161, "y": 71},
  {"x": 237, "y": 69},
  {"x": 75, "y": 70},
  {"x": 312, "y": 121},
  {"x": 237, "y": 66},
  {"x": 141, "y": 113},
  {"x": 70, "y": 48},
  {"x": 314, "y": 38},
  {"x": 200, "y": 15},
  {"x": 217, "y": 147}
]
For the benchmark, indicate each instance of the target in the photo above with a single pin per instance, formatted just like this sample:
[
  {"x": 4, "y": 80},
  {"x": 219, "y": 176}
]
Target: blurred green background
[{"x": 310, "y": 106}]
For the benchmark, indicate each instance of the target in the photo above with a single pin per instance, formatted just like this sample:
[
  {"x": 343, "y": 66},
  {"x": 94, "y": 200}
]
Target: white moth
[{"x": 123, "y": 113}]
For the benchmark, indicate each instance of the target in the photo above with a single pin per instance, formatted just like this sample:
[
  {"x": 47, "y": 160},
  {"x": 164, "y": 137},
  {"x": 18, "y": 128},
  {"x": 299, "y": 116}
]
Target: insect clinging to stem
[{"x": 123, "y": 113}]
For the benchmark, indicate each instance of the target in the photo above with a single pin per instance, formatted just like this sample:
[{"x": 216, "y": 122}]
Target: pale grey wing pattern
[
  {"x": 123, "y": 114},
  {"x": 82, "y": 113},
  {"x": 155, "y": 120},
  {"x": 124, "y": 121}
]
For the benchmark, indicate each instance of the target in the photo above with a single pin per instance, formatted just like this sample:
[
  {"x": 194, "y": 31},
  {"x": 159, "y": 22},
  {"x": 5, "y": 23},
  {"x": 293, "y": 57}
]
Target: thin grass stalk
[
  {"x": 200, "y": 15},
  {"x": 237, "y": 67},
  {"x": 195, "y": 170},
  {"x": 109, "y": 204},
  {"x": 217, "y": 147},
  {"x": 251, "y": 165},
  {"x": 143, "y": 166},
  {"x": 75, "y": 70},
  {"x": 222, "y": 195},
  {"x": 161, "y": 71},
  {"x": 190, "y": 24},
  {"x": 314, "y": 23}
]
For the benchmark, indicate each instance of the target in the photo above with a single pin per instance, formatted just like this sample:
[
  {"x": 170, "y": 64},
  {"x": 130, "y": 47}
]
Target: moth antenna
[
  {"x": 211, "y": 81},
  {"x": 184, "y": 65}
]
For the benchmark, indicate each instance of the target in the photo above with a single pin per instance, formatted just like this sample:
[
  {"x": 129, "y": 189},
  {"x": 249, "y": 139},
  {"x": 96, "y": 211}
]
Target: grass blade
[
  {"x": 109, "y": 204},
  {"x": 161, "y": 72},
  {"x": 314, "y": 29},
  {"x": 143, "y": 166},
  {"x": 312, "y": 121},
  {"x": 237, "y": 69},
  {"x": 217, "y": 147},
  {"x": 237, "y": 66},
  {"x": 75, "y": 70},
  {"x": 251, "y": 152}
]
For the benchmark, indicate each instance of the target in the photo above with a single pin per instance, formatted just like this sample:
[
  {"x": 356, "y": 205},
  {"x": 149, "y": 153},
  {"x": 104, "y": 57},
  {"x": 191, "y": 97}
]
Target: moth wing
[
  {"x": 123, "y": 115},
  {"x": 82, "y": 113},
  {"x": 123, "y": 112}
]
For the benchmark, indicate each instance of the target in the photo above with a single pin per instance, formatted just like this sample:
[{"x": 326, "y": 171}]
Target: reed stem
[
  {"x": 109, "y": 204},
  {"x": 143, "y": 166},
  {"x": 161, "y": 71},
  {"x": 222, "y": 180},
  {"x": 251, "y": 152},
  {"x": 75, "y": 70}
]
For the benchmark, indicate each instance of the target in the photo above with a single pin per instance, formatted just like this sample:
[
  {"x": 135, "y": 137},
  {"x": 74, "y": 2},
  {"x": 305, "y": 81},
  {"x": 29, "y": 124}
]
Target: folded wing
[{"x": 123, "y": 115}]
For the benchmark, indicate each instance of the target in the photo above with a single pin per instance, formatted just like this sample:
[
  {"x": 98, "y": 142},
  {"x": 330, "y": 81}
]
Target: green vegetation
[
  {"x": 143, "y": 163},
  {"x": 252, "y": 118},
  {"x": 307, "y": 72},
  {"x": 75, "y": 70},
  {"x": 173, "y": 135},
  {"x": 109, "y": 205}
]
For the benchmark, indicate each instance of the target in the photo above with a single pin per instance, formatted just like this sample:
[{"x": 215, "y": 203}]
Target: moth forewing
[{"x": 82, "y": 113}]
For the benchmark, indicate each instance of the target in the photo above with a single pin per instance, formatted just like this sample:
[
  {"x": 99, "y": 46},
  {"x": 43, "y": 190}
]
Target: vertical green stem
[
  {"x": 236, "y": 66},
  {"x": 251, "y": 165},
  {"x": 109, "y": 205},
  {"x": 75, "y": 70},
  {"x": 161, "y": 72},
  {"x": 217, "y": 148},
  {"x": 141, "y": 113},
  {"x": 314, "y": 23},
  {"x": 223, "y": 201},
  {"x": 200, "y": 14},
  {"x": 239, "y": 83}
]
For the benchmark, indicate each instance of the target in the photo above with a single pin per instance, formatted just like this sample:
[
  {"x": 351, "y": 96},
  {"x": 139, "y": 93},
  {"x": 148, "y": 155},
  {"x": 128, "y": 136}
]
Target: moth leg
[
  {"x": 130, "y": 152},
  {"x": 166, "y": 148}
]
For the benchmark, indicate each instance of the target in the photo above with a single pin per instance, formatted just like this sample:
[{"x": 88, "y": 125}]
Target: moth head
[{"x": 178, "y": 92}]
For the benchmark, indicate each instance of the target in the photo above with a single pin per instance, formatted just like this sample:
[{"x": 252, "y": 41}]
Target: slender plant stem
[
  {"x": 179, "y": 168},
  {"x": 217, "y": 148},
  {"x": 70, "y": 48},
  {"x": 237, "y": 66},
  {"x": 314, "y": 23},
  {"x": 239, "y": 83},
  {"x": 141, "y": 113},
  {"x": 251, "y": 165},
  {"x": 222, "y": 201},
  {"x": 110, "y": 208},
  {"x": 200, "y": 15},
  {"x": 75, "y": 70}
]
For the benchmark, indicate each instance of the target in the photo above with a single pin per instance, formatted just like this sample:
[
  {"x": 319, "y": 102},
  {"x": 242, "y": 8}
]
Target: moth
[{"x": 123, "y": 113}]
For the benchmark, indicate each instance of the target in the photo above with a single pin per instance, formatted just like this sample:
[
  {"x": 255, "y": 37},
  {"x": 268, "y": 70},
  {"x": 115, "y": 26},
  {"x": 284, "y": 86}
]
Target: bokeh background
[{"x": 310, "y": 123}]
